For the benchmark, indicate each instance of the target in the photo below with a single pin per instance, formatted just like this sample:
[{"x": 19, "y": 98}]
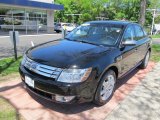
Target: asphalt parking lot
[{"x": 6, "y": 46}]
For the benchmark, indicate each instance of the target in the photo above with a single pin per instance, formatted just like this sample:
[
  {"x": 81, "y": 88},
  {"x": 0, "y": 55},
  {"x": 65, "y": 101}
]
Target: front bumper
[{"x": 49, "y": 88}]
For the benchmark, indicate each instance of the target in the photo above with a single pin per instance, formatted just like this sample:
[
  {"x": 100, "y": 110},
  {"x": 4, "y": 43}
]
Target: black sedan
[{"x": 86, "y": 64}]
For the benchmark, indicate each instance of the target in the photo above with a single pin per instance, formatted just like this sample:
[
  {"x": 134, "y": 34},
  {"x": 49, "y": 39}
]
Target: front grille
[{"x": 44, "y": 70}]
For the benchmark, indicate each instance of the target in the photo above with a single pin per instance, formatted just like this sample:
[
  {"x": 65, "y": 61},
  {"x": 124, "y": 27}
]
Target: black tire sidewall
[
  {"x": 148, "y": 59},
  {"x": 143, "y": 66},
  {"x": 97, "y": 98}
]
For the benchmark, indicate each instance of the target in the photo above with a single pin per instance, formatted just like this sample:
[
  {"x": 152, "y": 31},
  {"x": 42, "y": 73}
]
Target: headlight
[
  {"x": 74, "y": 75},
  {"x": 23, "y": 60}
]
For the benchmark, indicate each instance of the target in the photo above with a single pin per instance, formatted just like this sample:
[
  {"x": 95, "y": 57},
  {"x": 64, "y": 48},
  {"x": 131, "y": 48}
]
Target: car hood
[{"x": 65, "y": 53}]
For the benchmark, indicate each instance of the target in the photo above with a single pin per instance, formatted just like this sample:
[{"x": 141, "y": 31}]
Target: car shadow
[
  {"x": 125, "y": 78},
  {"x": 77, "y": 108}
]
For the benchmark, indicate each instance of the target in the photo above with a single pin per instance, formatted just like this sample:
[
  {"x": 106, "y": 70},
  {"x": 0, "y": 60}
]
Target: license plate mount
[{"x": 29, "y": 81}]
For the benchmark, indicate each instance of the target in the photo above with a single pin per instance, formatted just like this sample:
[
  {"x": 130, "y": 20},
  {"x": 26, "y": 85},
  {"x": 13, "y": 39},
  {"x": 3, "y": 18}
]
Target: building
[{"x": 27, "y": 16}]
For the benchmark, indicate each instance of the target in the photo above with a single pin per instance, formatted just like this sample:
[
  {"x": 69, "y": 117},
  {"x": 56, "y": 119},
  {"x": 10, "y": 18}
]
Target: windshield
[{"x": 99, "y": 34}]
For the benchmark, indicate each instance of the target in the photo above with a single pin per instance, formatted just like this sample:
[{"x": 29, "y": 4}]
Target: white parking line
[{"x": 30, "y": 35}]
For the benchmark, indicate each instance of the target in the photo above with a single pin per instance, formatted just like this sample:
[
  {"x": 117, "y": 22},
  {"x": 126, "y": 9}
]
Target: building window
[{"x": 23, "y": 20}]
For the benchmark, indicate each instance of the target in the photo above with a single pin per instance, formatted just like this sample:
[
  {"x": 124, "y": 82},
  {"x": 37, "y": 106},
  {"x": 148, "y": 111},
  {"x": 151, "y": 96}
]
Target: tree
[
  {"x": 142, "y": 12},
  {"x": 3, "y": 11},
  {"x": 131, "y": 10}
]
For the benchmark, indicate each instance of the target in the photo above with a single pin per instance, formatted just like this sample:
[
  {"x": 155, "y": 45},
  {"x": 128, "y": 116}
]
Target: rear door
[{"x": 128, "y": 52}]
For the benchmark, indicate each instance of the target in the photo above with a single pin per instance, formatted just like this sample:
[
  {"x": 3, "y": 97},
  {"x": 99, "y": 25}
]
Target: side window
[
  {"x": 145, "y": 33},
  {"x": 129, "y": 34},
  {"x": 139, "y": 32}
]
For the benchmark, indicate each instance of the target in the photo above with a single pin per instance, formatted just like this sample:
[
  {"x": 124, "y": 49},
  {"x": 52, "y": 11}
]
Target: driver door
[{"x": 128, "y": 52}]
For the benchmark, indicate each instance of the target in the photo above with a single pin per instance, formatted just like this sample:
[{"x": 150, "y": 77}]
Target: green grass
[
  {"x": 156, "y": 36},
  {"x": 7, "y": 111},
  {"x": 155, "y": 53},
  {"x": 9, "y": 65}
]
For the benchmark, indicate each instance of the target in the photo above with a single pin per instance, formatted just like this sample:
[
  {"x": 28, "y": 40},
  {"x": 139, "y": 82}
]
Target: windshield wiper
[
  {"x": 83, "y": 41},
  {"x": 88, "y": 42}
]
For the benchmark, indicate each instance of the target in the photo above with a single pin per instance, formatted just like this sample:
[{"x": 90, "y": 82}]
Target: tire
[
  {"x": 145, "y": 61},
  {"x": 105, "y": 88},
  {"x": 57, "y": 31}
]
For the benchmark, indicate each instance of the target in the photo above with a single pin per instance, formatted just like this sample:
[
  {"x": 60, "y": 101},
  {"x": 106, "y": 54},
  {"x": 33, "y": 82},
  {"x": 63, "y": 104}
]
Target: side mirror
[{"x": 129, "y": 43}]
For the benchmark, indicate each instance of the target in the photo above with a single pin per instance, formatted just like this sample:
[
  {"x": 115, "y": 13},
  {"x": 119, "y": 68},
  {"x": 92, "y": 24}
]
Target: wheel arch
[
  {"x": 112, "y": 67},
  {"x": 149, "y": 49},
  {"x": 115, "y": 69}
]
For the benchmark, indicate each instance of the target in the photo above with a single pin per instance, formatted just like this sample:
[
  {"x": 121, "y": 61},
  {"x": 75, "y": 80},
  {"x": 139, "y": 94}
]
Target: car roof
[{"x": 124, "y": 23}]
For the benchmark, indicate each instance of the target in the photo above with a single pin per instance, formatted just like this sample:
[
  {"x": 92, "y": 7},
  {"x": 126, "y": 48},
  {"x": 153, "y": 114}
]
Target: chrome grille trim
[{"x": 44, "y": 70}]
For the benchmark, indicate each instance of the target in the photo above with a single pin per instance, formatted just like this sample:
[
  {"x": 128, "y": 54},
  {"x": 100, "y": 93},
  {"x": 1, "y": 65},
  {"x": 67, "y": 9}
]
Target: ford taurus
[{"x": 86, "y": 64}]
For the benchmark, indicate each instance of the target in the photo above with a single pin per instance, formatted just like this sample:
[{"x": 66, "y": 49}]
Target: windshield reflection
[{"x": 96, "y": 34}]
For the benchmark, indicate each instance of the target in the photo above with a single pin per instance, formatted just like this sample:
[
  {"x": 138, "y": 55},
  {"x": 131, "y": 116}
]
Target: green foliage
[
  {"x": 154, "y": 3},
  {"x": 155, "y": 53},
  {"x": 157, "y": 20},
  {"x": 89, "y": 9},
  {"x": 3, "y": 11},
  {"x": 156, "y": 36},
  {"x": 9, "y": 22},
  {"x": 112, "y": 10},
  {"x": 85, "y": 17}
]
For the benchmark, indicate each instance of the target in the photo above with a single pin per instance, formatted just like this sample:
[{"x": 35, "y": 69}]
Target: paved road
[
  {"x": 156, "y": 41},
  {"x": 143, "y": 103},
  {"x": 6, "y": 47}
]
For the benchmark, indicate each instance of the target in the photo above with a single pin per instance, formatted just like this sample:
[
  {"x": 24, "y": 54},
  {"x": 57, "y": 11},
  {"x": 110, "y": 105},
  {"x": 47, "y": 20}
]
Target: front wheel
[
  {"x": 105, "y": 88},
  {"x": 145, "y": 61}
]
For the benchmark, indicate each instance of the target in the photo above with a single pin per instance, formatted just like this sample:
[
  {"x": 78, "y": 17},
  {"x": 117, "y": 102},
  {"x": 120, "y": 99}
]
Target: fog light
[{"x": 64, "y": 98}]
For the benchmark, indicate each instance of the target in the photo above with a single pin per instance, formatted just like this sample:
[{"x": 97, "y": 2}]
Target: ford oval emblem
[{"x": 33, "y": 66}]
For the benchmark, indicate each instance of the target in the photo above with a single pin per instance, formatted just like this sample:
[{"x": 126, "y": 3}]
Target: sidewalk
[
  {"x": 143, "y": 103},
  {"x": 32, "y": 107}
]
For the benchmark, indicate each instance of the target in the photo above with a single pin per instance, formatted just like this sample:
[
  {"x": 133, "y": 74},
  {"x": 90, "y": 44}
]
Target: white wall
[
  {"x": 50, "y": 21},
  {"x": 45, "y": 1}
]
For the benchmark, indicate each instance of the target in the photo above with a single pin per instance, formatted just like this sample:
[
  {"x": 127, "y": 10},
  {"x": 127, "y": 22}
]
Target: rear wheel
[
  {"x": 105, "y": 88},
  {"x": 145, "y": 61}
]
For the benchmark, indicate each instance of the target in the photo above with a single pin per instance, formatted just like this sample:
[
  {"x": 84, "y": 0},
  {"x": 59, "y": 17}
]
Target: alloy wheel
[{"x": 107, "y": 87}]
